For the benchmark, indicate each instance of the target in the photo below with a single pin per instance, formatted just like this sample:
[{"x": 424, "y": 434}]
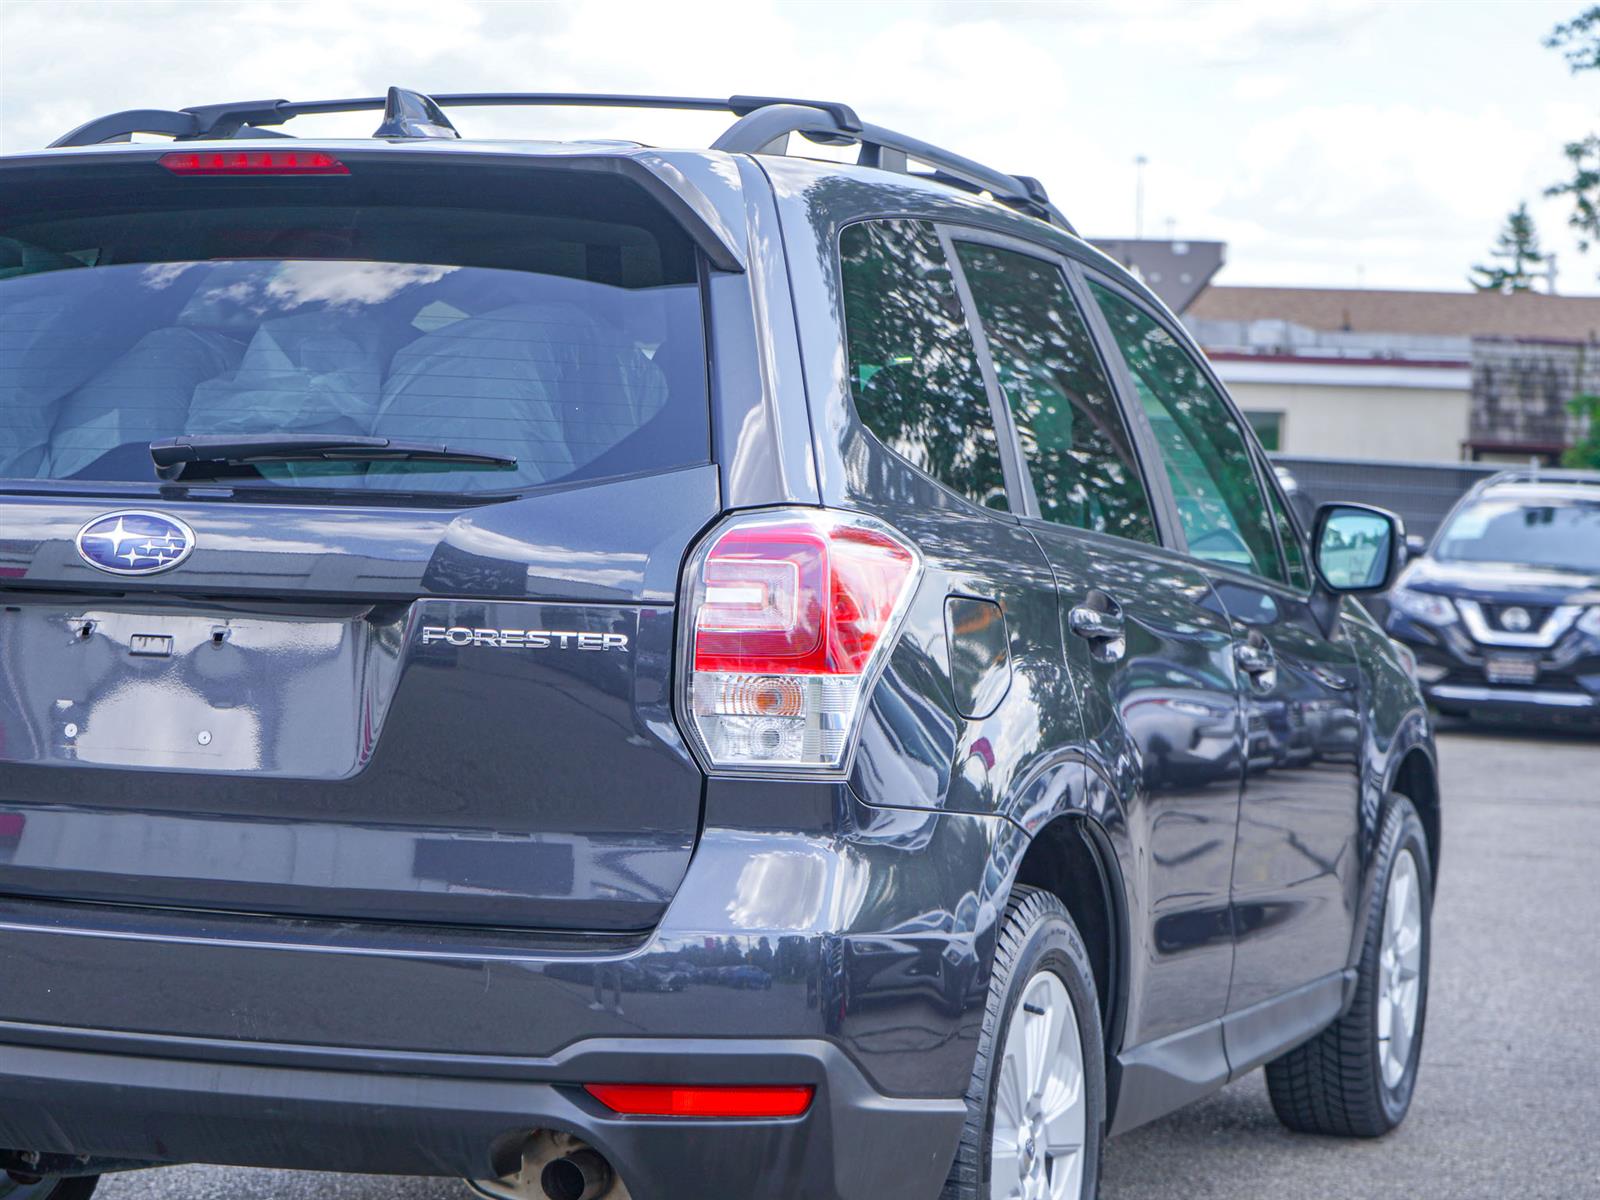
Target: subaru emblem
[{"x": 135, "y": 542}]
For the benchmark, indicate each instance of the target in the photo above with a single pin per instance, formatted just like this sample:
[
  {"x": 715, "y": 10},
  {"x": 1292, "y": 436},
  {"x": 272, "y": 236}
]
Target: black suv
[
  {"x": 1503, "y": 611},
  {"x": 609, "y": 671}
]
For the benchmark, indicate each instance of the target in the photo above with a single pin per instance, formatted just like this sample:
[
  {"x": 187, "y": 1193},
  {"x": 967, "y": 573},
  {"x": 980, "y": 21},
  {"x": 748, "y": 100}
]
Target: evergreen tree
[
  {"x": 1579, "y": 41},
  {"x": 1518, "y": 249}
]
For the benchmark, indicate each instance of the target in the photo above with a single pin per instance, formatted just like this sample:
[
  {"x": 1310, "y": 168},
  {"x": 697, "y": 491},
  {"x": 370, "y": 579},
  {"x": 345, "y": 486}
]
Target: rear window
[{"x": 552, "y": 317}]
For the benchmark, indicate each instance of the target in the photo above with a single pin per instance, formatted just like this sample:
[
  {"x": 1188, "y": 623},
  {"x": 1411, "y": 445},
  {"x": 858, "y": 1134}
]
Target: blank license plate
[{"x": 1511, "y": 668}]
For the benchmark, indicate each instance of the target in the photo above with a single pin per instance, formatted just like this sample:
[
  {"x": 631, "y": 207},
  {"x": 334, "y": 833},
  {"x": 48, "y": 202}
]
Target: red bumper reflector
[
  {"x": 669, "y": 1100},
  {"x": 253, "y": 162}
]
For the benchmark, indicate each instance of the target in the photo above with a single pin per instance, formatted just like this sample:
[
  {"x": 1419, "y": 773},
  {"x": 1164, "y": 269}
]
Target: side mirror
[
  {"x": 1416, "y": 546},
  {"x": 1358, "y": 549}
]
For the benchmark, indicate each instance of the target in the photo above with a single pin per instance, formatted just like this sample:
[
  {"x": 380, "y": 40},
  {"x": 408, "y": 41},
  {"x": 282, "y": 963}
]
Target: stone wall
[{"x": 1520, "y": 392}]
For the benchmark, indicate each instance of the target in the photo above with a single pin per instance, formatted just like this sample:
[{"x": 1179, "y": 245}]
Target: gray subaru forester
[{"x": 611, "y": 672}]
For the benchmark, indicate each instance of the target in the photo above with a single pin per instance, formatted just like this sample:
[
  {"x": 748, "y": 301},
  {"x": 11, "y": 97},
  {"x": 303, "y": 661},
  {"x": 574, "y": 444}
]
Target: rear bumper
[
  {"x": 449, "y": 1117},
  {"x": 835, "y": 960}
]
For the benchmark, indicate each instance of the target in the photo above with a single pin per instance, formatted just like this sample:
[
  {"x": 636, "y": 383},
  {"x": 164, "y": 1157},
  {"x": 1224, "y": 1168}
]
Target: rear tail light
[
  {"x": 670, "y": 1100},
  {"x": 789, "y": 615},
  {"x": 253, "y": 162}
]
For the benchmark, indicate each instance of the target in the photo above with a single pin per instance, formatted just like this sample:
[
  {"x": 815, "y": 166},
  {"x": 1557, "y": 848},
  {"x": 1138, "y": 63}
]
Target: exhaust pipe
[{"x": 581, "y": 1175}]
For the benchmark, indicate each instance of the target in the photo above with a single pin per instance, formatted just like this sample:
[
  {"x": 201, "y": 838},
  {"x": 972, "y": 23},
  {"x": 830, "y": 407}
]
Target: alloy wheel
[
  {"x": 1400, "y": 970},
  {"x": 1041, "y": 1110}
]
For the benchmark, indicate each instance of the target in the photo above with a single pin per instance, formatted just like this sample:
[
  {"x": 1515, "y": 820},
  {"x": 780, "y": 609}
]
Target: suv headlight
[
  {"x": 1590, "y": 621},
  {"x": 1424, "y": 606},
  {"x": 1408, "y": 659}
]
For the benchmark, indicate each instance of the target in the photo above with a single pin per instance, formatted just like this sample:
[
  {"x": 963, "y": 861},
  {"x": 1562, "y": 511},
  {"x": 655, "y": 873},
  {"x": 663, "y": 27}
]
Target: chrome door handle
[
  {"x": 1258, "y": 662},
  {"x": 1102, "y": 627}
]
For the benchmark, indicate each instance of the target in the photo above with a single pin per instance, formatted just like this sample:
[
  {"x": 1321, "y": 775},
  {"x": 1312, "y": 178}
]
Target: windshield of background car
[
  {"x": 1560, "y": 534},
  {"x": 549, "y": 316}
]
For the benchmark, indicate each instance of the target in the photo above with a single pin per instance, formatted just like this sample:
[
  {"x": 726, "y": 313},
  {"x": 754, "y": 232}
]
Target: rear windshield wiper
[{"x": 201, "y": 454}]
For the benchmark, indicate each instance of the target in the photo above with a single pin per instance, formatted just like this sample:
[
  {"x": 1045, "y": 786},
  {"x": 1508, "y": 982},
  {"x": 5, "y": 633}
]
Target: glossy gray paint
[
  {"x": 418, "y": 861},
  {"x": 1273, "y": 897},
  {"x": 348, "y": 769}
]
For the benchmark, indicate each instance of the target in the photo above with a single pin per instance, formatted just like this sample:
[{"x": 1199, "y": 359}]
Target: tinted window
[
  {"x": 913, "y": 369},
  {"x": 1077, "y": 446},
  {"x": 1562, "y": 534},
  {"x": 554, "y": 322},
  {"x": 1289, "y": 539},
  {"x": 1207, "y": 457}
]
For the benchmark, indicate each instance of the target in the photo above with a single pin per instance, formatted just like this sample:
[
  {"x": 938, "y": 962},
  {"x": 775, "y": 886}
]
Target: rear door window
[
  {"x": 1078, "y": 449},
  {"x": 1220, "y": 502},
  {"x": 549, "y": 317},
  {"x": 914, "y": 371}
]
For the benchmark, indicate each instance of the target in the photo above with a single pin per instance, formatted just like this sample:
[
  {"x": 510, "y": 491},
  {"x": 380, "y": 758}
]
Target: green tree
[
  {"x": 1579, "y": 42},
  {"x": 1518, "y": 249},
  {"x": 1587, "y": 452}
]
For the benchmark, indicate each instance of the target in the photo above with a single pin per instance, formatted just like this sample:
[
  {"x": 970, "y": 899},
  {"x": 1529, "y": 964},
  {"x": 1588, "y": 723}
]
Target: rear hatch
[{"x": 394, "y": 643}]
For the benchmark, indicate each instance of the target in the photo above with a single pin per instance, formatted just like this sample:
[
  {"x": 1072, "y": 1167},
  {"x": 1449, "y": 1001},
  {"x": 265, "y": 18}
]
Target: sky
[{"x": 1343, "y": 143}]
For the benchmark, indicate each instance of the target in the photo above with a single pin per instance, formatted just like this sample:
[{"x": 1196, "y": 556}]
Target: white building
[{"x": 1348, "y": 373}]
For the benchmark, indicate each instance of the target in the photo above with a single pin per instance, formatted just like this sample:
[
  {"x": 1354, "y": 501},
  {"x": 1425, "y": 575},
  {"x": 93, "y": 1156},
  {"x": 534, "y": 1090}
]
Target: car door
[
  {"x": 1144, "y": 638},
  {"x": 1294, "y": 874}
]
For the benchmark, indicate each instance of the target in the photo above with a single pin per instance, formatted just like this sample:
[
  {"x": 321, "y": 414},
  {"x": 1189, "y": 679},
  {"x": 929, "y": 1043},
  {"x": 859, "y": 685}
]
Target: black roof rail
[
  {"x": 763, "y": 128},
  {"x": 763, "y": 122},
  {"x": 226, "y": 120}
]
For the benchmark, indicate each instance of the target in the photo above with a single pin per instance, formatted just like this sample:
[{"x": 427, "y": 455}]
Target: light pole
[{"x": 1139, "y": 162}]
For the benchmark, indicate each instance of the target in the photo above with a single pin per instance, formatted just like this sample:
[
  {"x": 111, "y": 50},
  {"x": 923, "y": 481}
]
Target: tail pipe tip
[{"x": 581, "y": 1175}]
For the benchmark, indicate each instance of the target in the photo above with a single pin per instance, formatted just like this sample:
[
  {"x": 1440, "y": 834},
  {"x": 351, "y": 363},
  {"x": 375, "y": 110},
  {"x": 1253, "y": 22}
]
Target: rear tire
[
  {"x": 1036, "y": 1106},
  {"x": 1356, "y": 1078},
  {"x": 79, "y": 1187}
]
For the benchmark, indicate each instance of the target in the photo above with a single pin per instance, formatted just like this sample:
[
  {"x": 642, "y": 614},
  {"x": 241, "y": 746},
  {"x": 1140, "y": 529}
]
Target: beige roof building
[
  {"x": 1360, "y": 373},
  {"x": 1528, "y": 315}
]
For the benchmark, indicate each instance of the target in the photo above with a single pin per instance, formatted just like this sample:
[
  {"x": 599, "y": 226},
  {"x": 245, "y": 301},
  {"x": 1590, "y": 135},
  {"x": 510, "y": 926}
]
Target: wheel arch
[
  {"x": 1072, "y": 858},
  {"x": 1416, "y": 777}
]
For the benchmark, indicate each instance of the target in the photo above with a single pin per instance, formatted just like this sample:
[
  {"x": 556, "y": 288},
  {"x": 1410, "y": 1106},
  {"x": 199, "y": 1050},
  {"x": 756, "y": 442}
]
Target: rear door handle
[{"x": 1099, "y": 622}]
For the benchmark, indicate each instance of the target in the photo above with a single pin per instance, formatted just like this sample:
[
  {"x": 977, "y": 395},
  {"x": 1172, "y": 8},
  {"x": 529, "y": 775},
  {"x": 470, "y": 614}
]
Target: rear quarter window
[{"x": 914, "y": 372}]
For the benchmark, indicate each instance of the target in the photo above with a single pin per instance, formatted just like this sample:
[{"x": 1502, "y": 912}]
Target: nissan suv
[
  {"x": 611, "y": 672},
  {"x": 1503, "y": 611}
]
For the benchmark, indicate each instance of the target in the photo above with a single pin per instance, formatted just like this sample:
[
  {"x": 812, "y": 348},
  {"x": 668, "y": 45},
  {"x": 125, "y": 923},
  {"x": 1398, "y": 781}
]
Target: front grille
[{"x": 1537, "y": 616}]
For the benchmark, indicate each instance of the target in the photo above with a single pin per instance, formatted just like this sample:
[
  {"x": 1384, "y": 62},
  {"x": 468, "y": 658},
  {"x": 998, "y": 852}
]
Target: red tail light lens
[
  {"x": 253, "y": 162},
  {"x": 667, "y": 1100},
  {"x": 790, "y": 613}
]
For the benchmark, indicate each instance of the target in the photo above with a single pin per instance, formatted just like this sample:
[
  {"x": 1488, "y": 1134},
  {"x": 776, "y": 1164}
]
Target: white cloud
[
  {"x": 1311, "y": 136},
  {"x": 1254, "y": 88}
]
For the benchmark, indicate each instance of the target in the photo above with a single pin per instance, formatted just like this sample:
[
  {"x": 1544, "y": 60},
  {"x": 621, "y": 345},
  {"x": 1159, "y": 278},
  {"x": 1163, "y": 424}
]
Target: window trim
[
  {"x": 1160, "y": 515},
  {"x": 1019, "y": 482}
]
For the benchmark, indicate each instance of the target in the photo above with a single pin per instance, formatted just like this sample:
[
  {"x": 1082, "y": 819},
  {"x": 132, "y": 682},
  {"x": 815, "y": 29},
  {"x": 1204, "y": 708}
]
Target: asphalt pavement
[{"x": 1508, "y": 1102}]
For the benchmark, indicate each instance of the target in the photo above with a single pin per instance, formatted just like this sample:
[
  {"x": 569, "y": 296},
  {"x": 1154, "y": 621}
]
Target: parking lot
[{"x": 1510, "y": 1082}]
